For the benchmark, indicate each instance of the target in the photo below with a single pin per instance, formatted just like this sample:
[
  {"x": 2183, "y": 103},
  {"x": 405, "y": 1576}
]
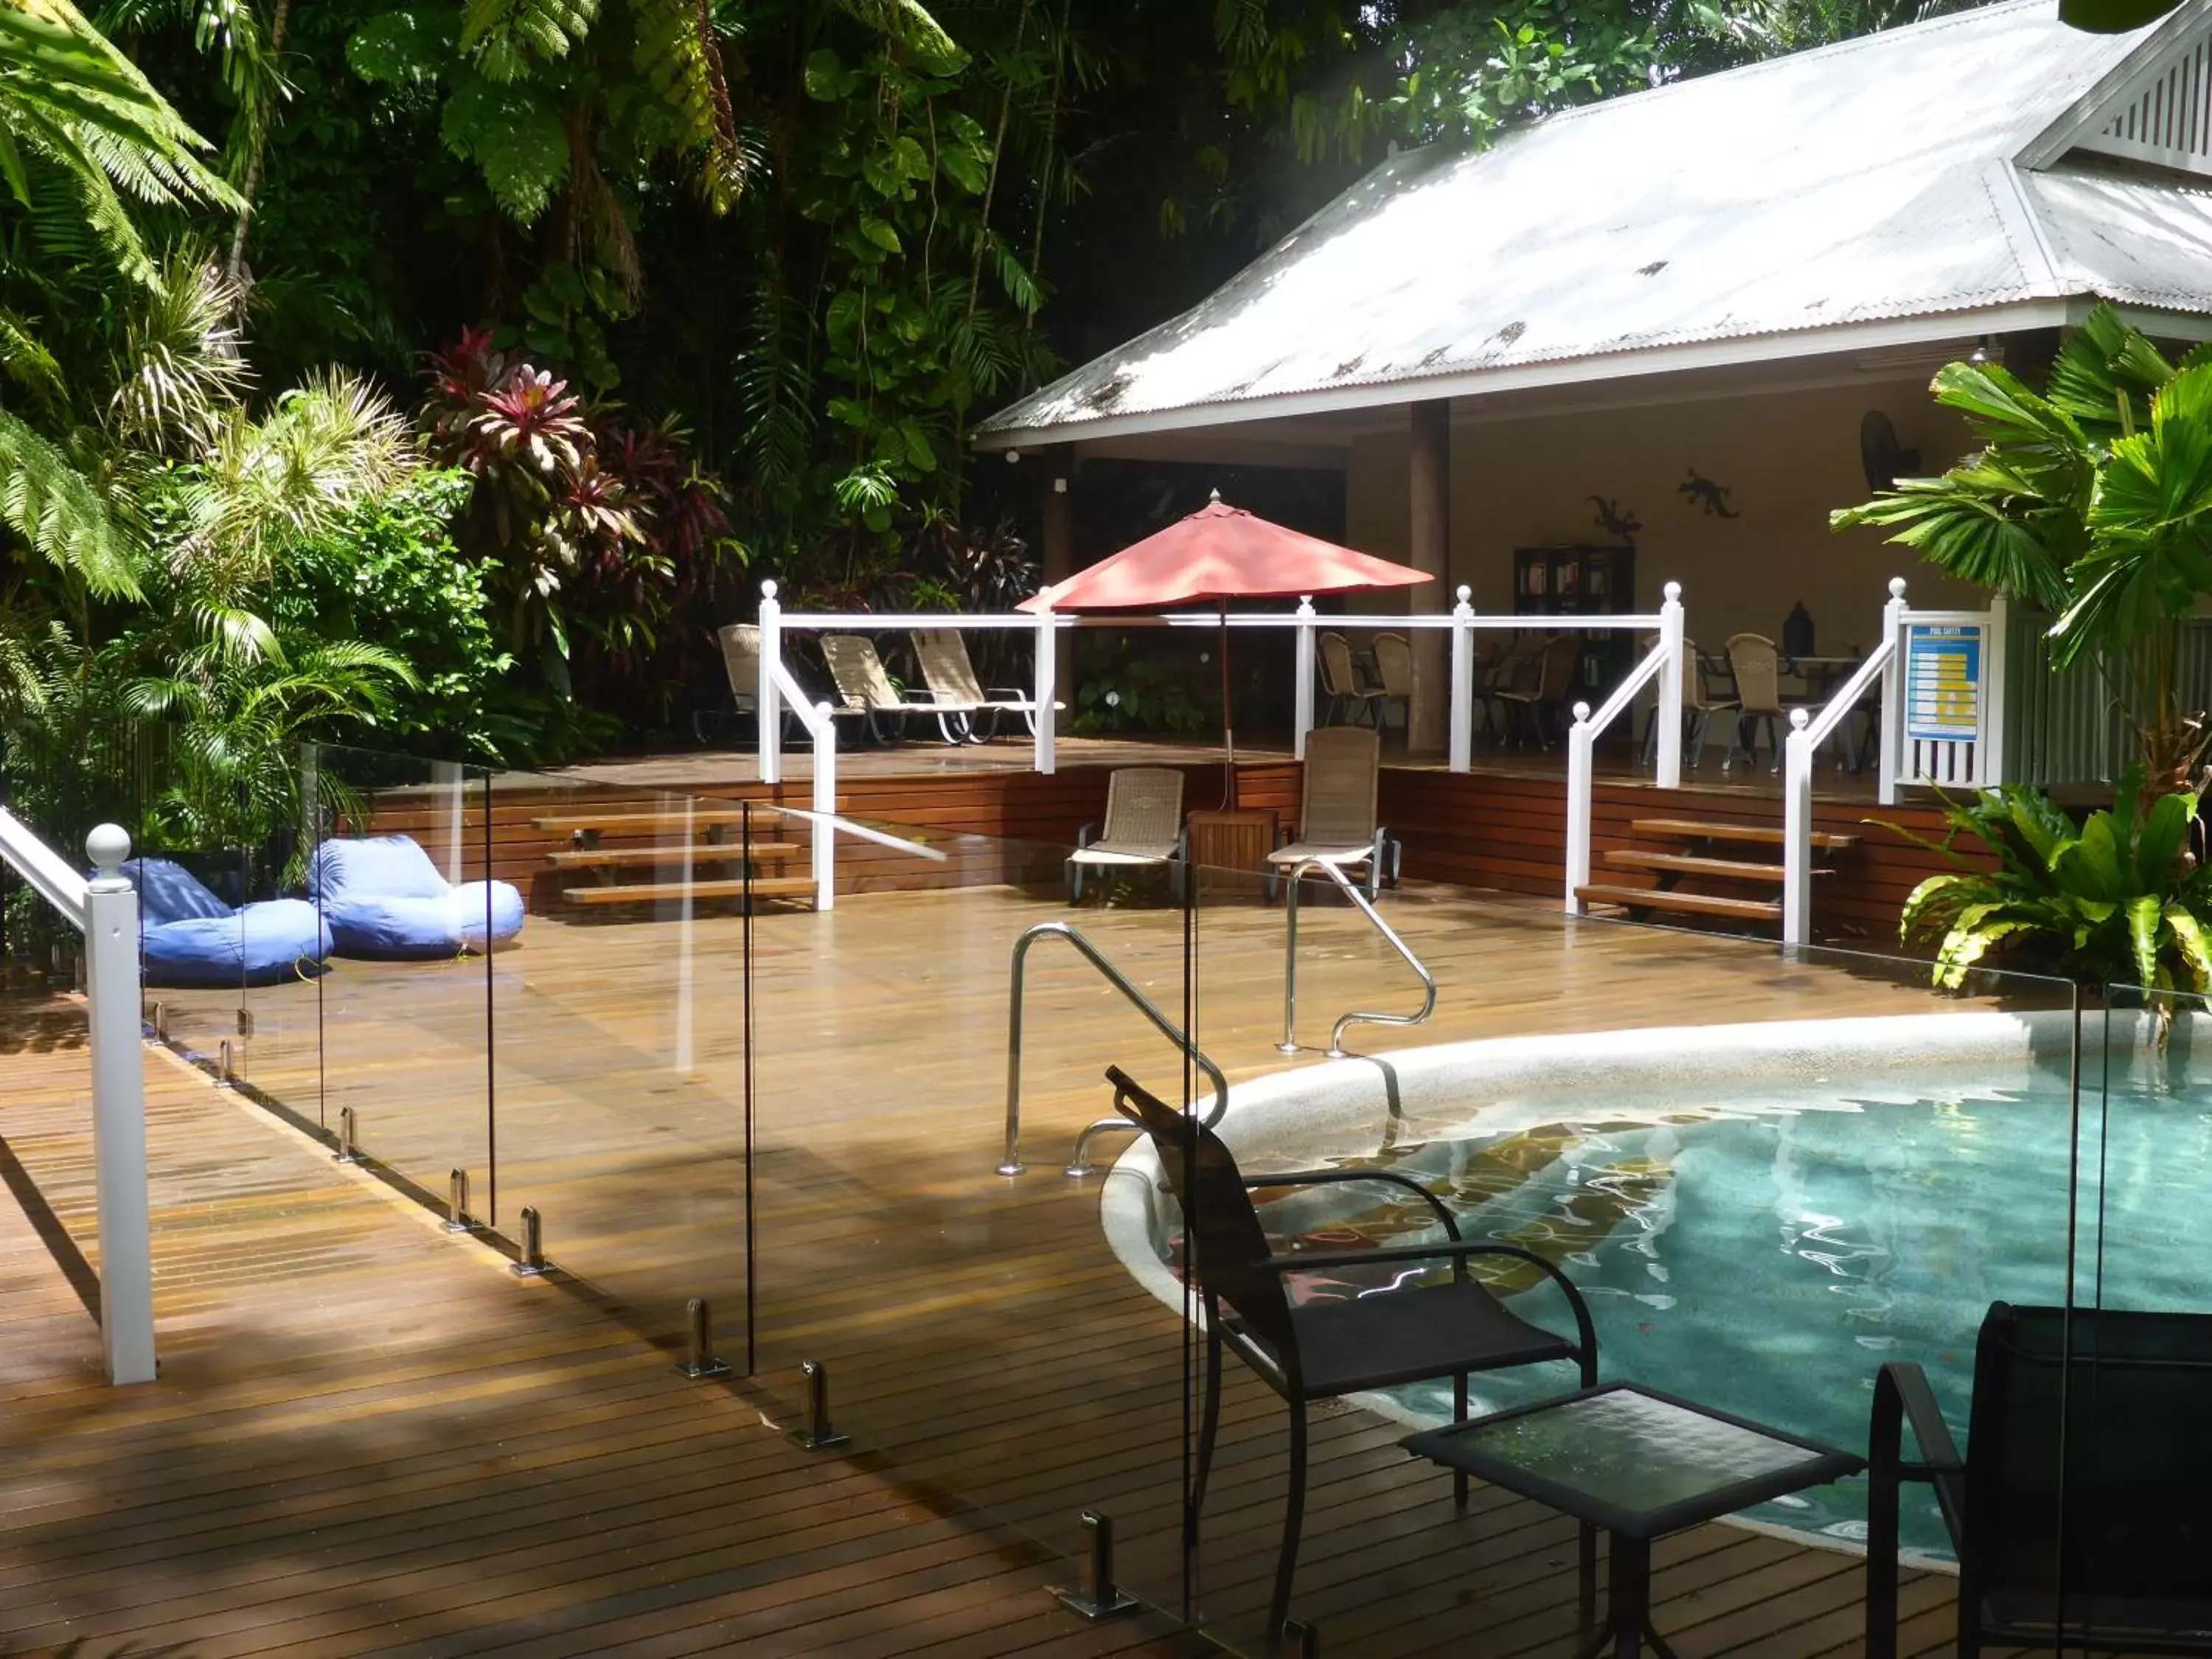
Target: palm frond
[
  {"x": 55, "y": 510},
  {"x": 675, "y": 49}
]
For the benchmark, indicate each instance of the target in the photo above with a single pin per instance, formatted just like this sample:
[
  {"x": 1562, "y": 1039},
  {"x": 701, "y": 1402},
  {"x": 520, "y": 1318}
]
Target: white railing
[
  {"x": 106, "y": 911},
  {"x": 776, "y": 688},
  {"x": 1939, "y": 723},
  {"x": 1663, "y": 663},
  {"x": 777, "y": 681}
]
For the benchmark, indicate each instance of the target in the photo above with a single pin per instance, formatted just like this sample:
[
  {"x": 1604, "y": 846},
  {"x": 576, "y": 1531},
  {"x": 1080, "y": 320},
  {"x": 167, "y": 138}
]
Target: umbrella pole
[{"x": 1228, "y": 717}]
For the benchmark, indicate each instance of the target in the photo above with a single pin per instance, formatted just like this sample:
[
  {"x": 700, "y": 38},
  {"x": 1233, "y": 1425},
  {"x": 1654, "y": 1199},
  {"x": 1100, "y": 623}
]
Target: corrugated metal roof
[{"x": 1867, "y": 181}]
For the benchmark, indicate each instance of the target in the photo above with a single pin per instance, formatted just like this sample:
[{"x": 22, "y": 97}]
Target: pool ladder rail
[
  {"x": 1289, "y": 1045},
  {"x": 1079, "y": 1163}
]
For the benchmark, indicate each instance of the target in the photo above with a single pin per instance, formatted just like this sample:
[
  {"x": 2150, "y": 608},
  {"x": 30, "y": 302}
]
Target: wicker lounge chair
[
  {"x": 1393, "y": 661},
  {"x": 950, "y": 676},
  {"x": 1702, "y": 699},
  {"x": 1336, "y": 808},
  {"x": 1538, "y": 709},
  {"x": 866, "y": 690},
  {"x": 1315, "y": 1350},
  {"x": 740, "y": 644},
  {"x": 1144, "y": 827}
]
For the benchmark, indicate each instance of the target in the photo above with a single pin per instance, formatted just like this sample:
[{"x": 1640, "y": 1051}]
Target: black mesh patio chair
[
  {"x": 2116, "y": 1558},
  {"x": 1319, "y": 1351}
]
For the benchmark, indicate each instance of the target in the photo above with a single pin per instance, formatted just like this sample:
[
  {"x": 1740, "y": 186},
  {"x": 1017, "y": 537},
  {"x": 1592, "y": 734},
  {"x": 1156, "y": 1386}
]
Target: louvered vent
[{"x": 2164, "y": 116}]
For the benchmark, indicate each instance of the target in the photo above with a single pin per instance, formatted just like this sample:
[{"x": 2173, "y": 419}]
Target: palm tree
[{"x": 2094, "y": 501}]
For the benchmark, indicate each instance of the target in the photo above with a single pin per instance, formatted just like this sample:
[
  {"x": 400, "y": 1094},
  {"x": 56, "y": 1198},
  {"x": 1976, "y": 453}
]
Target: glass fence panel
[
  {"x": 1767, "y": 1173},
  {"x": 979, "y": 1326},
  {"x": 2138, "y": 1456},
  {"x": 620, "y": 1044},
  {"x": 405, "y": 1018}
]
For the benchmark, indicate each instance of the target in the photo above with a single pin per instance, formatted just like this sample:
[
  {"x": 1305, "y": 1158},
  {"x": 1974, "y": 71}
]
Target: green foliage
[
  {"x": 514, "y": 133},
  {"x": 56, "y": 511},
  {"x": 386, "y": 572},
  {"x": 1139, "y": 693},
  {"x": 2093, "y": 499},
  {"x": 70, "y": 103},
  {"x": 2123, "y": 898}
]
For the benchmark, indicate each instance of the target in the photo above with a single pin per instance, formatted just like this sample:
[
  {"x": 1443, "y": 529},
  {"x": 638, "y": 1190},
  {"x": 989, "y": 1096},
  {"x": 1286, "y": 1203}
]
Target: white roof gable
[{"x": 1867, "y": 181}]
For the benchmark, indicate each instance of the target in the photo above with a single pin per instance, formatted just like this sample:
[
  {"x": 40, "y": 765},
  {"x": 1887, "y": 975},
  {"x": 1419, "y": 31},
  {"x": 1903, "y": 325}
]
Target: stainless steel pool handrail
[
  {"x": 1114, "y": 976},
  {"x": 1289, "y": 1045}
]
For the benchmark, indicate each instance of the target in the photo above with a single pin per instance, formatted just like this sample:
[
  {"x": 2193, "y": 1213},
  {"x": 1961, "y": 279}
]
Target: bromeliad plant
[{"x": 2123, "y": 898}]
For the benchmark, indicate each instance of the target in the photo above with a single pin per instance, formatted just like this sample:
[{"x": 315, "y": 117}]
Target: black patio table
[{"x": 1640, "y": 1464}]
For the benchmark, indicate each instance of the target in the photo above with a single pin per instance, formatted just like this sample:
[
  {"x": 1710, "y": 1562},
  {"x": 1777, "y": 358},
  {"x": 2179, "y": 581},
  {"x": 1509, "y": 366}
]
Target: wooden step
[
  {"x": 1696, "y": 830},
  {"x": 651, "y": 892},
  {"x": 718, "y": 852},
  {"x": 1689, "y": 864},
  {"x": 1703, "y": 904},
  {"x": 648, "y": 823}
]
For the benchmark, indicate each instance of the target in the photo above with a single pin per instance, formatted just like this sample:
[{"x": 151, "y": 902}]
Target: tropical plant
[
  {"x": 2122, "y": 898},
  {"x": 1139, "y": 693},
  {"x": 2093, "y": 499}
]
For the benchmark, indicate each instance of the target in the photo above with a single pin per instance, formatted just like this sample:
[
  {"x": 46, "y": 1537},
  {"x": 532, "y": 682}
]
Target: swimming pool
[{"x": 1760, "y": 1217}]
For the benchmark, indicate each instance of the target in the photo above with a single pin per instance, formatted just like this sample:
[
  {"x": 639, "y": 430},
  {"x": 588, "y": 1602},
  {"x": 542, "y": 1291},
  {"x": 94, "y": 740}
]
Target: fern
[
  {"x": 28, "y": 363},
  {"x": 908, "y": 21},
  {"x": 504, "y": 37},
  {"x": 676, "y": 51},
  {"x": 56, "y": 511}
]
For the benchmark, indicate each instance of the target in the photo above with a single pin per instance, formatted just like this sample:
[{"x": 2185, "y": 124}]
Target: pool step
[
  {"x": 1638, "y": 900},
  {"x": 654, "y": 892}
]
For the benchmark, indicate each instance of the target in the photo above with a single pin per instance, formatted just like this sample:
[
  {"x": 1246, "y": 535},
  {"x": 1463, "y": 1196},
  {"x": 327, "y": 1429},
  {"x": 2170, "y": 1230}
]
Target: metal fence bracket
[
  {"x": 818, "y": 1435},
  {"x": 532, "y": 1261},
  {"x": 1098, "y": 1597},
  {"x": 458, "y": 1218},
  {"x": 223, "y": 1074},
  {"x": 1300, "y": 1639},
  {"x": 699, "y": 1343},
  {"x": 348, "y": 1152}
]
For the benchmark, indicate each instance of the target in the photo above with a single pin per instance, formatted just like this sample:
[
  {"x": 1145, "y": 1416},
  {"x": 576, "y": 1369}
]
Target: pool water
[{"x": 1767, "y": 1262}]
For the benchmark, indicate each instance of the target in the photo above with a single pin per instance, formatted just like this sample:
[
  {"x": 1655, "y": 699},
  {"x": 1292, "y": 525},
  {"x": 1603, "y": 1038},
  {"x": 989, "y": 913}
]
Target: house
[{"x": 1686, "y": 302}]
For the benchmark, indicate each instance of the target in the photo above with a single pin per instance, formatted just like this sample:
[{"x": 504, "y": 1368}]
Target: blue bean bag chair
[
  {"x": 383, "y": 897},
  {"x": 187, "y": 936}
]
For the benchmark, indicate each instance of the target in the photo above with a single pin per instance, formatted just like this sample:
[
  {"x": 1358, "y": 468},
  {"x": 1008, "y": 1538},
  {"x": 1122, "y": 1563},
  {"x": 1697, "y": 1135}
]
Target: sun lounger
[
  {"x": 950, "y": 676},
  {"x": 1144, "y": 827},
  {"x": 1336, "y": 810},
  {"x": 866, "y": 691}
]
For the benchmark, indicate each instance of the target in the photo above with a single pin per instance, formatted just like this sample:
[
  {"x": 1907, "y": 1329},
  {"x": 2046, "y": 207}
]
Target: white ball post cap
[
  {"x": 1674, "y": 592},
  {"x": 1466, "y": 593},
  {"x": 1581, "y": 713},
  {"x": 1799, "y": 720},
  {"x": 107, "y": 846},
  {"x": 768, "y": 588},
  {"x": 1897, "y": 588}
]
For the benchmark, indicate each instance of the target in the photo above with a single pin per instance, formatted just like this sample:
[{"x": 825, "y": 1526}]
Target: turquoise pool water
[{"x": 1767, "y": 1262}]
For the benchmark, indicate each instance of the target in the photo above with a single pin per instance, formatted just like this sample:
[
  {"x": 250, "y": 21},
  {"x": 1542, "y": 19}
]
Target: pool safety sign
[{"x": 1942, "y": 683}]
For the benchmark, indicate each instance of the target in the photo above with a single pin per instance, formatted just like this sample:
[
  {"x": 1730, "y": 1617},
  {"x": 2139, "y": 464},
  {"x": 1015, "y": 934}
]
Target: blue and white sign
[{"x": 1942, "y": 683}]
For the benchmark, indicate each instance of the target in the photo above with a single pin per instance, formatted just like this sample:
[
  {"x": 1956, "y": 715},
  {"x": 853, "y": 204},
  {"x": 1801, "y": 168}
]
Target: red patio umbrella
[{"x": 1221, "y": 553}]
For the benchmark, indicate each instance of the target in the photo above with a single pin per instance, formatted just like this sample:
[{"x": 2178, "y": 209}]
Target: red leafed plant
[{"x": 595, "y": 526}]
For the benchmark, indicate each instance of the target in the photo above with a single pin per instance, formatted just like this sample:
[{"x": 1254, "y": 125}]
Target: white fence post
[
  {"x": 769, "y": 700},
  {"x": 1892, "y": 695},
  {"x": 1668, "y": 713},
  {"x": 118, "y": 1109},
  {"x": 1047, "y": 668},
  {"x": 825, "y": 850},
  {"x": 1462, "y": 683},
  {"x": 1996, "y": 639},
  {"x": 1797, "y": 832},
  {"x": 1301, "y": 717},
  {"x": 1578, "y": 807}
]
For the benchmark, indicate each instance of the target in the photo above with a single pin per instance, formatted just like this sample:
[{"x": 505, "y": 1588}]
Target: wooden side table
[{"x": 1232, "y": 839}]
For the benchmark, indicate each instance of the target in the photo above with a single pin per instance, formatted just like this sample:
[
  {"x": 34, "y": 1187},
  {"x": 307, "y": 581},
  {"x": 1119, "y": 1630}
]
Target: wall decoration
[
  {"x": 1701, "y": 491},
  {"x": 1614, "y": 517}
]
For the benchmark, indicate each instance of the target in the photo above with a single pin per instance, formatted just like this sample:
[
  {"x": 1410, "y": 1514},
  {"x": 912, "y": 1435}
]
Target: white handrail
[
  {"x": 1663, "y": 663},
  {"x": 1807, "y": 732},
  {"x": 823, "y": 729},
  {"x": 104, "y": 909},
  {"x": 47, "y": 871}
]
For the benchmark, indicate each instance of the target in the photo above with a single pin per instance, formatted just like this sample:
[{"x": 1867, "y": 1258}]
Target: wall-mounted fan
[{"x": 1885, "y": 459}]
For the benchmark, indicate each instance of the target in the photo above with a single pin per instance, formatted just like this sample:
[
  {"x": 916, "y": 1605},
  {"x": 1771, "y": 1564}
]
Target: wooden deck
[{"x": 369, "y": 1436}]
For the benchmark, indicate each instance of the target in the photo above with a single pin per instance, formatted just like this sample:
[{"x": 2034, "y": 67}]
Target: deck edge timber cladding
[{"x": 1480, "y": 829}]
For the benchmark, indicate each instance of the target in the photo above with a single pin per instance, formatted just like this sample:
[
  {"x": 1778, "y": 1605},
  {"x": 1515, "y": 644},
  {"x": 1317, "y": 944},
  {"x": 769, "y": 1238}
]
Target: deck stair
[
  {"x": 718, "y": 867},
  {"x": 1672, "y": 851}
]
